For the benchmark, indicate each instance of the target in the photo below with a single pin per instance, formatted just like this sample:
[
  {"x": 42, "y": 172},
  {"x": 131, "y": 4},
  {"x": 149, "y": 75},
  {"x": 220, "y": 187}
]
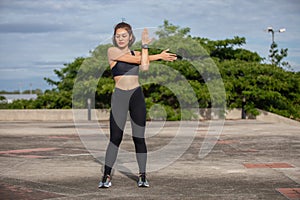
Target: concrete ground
[{"x": 250, "y": 160}]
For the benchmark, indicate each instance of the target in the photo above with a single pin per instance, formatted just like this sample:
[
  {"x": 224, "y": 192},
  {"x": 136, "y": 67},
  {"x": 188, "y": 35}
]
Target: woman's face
[{"x": 122, "y": 38}]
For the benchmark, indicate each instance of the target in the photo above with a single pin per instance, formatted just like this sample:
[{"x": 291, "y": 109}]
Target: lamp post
[
  {"x": 89, "y": 109},
  {"x": 243, "y": 108},
  {"x": 271, "y": 30},
  {"x": 273, "y": 50}
]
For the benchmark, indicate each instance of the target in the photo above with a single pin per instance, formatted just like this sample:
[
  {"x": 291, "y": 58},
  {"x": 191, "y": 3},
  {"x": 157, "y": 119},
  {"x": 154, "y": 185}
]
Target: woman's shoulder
[
  {"x": 113, "y": 53},
  {"x": 113, "y": 50}
]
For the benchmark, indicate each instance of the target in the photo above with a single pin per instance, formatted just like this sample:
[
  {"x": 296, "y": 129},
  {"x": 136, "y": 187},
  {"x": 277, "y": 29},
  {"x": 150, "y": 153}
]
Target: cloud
[
  {"x": 36, "y": 35},
  {"x": 49, "y": 63},
  {"x": 33, "y": 28},
  {"x": 24, "y": 73}
]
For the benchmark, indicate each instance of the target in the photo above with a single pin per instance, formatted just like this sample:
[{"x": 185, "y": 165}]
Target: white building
[{"x": 11, "y": 97}]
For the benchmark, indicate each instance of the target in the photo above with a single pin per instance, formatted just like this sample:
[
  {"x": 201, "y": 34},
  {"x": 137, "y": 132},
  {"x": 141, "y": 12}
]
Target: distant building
[{"x": 9, "y": 98}]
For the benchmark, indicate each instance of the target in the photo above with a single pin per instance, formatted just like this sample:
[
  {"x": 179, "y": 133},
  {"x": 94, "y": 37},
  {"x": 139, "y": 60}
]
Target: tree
[
  {"x": 204, "y": 68},
  {"x": 277, "y": 56},
  {"x": 227, "y": 49},
  {"x": 168, "y": 29},
  {"x": 264, "y": 86},
  {"x": 61, "y": 94}
]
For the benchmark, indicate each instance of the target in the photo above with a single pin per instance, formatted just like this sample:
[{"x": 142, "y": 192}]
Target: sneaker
[
  {"x": 105, "y": 183},
  {"x": 143, "y": 181}
]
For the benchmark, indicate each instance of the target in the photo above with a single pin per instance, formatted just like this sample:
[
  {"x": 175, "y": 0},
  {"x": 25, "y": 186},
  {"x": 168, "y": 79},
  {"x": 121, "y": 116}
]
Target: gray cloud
[
  {"x": 36, "y": 35},
  {"x": 49, "y": 63},
  {"x": 32, "y": 28}
]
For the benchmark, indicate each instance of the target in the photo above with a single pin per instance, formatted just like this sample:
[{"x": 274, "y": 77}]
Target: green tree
[
  {"x": 277, "y": 56},
  {"x": 264, "y": 86},
  {"x": 61, "y": 94},
  {"x": 168, "y": 29},
  {"x": 227, "y": 49},
  {"x": 203, "y": 65}
]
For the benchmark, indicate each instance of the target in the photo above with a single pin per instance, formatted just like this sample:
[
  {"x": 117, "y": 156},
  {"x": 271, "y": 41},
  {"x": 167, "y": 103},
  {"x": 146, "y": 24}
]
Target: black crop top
[{"x": 125, "y": 69}]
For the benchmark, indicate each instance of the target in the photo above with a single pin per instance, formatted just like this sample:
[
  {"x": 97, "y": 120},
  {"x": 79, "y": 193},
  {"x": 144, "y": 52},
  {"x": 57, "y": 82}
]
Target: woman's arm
[
  {"x": 142, "y": 58},
  {"x": 115, "y": 54},
  {"x": 164, "y": 55},
  {"x": 144, "y": 66}
]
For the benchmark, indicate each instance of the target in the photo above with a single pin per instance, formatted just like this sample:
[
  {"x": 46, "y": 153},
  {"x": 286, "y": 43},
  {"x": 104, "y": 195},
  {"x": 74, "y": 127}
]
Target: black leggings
[{"x": 122, "y": 102}]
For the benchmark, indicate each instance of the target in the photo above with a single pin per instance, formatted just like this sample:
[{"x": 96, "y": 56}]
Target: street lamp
[
  {"x": 273, "y": 51},
  {"x": 243, "y": 108},
  {"x": 270, "y": 29},
  {"x": 89, "y": 109}
]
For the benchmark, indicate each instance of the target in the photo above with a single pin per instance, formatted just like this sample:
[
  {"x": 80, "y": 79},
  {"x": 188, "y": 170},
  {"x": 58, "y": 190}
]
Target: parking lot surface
[{"x": 248, "y": 159}]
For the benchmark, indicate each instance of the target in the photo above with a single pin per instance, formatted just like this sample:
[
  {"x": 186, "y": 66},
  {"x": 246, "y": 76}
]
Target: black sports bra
[{"x": 125, "y": 69}]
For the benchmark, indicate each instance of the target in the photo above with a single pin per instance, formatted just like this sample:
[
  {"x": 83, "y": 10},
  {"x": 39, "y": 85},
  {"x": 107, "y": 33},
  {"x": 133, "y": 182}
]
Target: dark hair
[{"x": 128, "y": 28}]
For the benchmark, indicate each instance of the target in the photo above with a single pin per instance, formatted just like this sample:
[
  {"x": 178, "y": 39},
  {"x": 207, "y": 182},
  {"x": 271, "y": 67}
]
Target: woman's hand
[
  {"x": 145, "y": 37},
  {"x": 168, "y": 56}
]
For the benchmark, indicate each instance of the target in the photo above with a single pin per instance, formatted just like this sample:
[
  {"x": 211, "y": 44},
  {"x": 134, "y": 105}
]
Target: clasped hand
[{"x": 164, "y": 55}]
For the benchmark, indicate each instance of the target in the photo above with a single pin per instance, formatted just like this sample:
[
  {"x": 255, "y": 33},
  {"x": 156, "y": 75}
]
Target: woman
[{"x": 128, "y": 96}]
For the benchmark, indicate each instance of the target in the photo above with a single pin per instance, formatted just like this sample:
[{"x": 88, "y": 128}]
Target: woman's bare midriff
[{"x": 126, "y": 82}]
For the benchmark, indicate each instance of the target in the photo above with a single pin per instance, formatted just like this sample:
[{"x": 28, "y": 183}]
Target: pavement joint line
[
  {"x": 23, "y": 192},
  {"x": 20, "y": 151},
  {"x": 228, "y": 141},
  {"x": 74, "y": 155},
  {"x": 31, "y": 156},
  {"x": 22, "y": 182},
  {"x": 62, "y": 137},
  {"x": 268, "y": 165}
]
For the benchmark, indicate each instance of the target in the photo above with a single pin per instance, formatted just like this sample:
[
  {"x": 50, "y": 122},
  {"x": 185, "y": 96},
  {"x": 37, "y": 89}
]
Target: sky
[{"x": 37, "y": 37}]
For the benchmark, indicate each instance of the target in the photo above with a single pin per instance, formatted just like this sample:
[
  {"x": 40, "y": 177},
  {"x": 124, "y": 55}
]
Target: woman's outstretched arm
[
  {"x": 142, "y": 58},
  {"x": 144, "y": 66}
]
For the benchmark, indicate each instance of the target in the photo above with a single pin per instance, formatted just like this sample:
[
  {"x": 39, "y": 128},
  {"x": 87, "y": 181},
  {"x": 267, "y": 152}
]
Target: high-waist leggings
[{"x": 123, "y": 101}]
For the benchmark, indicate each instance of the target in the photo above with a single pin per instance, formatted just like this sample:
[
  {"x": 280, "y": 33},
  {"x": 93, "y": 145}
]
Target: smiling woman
[{"x": 128, "y": 96}]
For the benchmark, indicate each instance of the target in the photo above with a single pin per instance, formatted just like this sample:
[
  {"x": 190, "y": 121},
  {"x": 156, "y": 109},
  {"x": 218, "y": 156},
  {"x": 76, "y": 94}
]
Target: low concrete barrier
[
  {"x": 52, "y": 115},
  {"x": 273, "y": 118},
  {"x": 82, "y": 114},
  {"x": 103, "y": 114}
]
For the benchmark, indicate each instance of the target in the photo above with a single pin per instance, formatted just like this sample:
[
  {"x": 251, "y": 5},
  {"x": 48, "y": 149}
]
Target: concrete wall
[
  {"x": 52, "y": 115},
  {"x": 273, "y": 118},
  {"x": 82, "y": 115}
]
